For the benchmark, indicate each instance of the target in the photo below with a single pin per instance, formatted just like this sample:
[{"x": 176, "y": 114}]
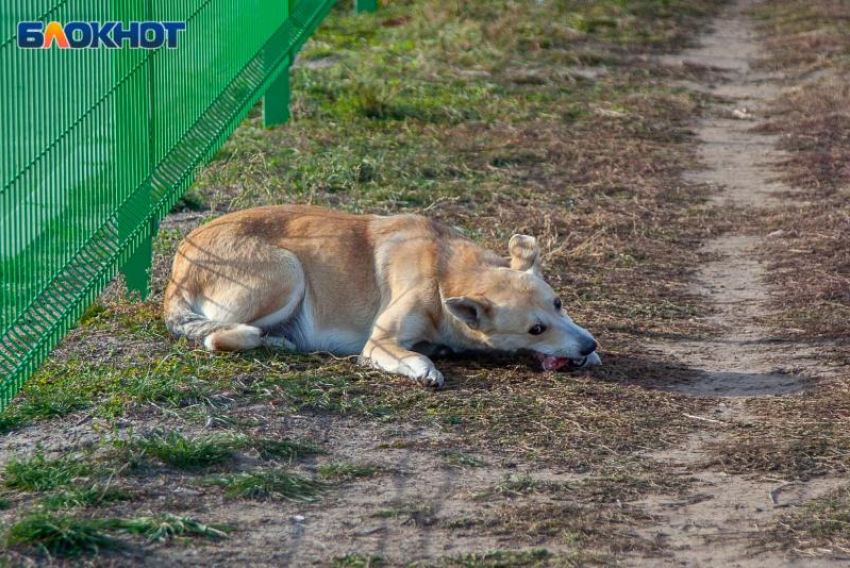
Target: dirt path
[{"x": 713, "y": 525}]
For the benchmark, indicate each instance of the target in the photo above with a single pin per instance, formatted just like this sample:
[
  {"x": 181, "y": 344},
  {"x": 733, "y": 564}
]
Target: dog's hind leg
[{"x": 228, "y": 303}]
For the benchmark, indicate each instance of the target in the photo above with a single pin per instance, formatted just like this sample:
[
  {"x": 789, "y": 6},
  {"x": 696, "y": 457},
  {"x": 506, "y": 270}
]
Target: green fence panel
[
  {"x": 365, "y": 5},
  {"x": 96, "y": 146}
]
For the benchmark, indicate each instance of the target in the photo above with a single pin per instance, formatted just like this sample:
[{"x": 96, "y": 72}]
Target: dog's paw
[{"x": 433, "y": 378}]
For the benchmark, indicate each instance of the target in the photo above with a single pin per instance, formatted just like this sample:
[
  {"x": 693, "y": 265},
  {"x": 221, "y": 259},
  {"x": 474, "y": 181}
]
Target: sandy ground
[{"x": 711, "y": 526}]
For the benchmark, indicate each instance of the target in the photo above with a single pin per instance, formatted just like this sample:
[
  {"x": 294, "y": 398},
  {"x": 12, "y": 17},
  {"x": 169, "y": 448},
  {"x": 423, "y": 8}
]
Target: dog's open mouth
[{"x": 555, "y": 363}]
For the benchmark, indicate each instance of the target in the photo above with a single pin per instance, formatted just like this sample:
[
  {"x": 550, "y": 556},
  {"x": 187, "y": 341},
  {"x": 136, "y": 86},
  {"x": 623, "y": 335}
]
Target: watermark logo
[{"x": 92, "y": 35}]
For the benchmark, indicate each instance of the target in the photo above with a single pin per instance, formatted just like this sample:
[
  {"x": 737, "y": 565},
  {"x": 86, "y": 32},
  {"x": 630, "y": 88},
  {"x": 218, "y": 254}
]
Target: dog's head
[{"x": 509, "y": 309}]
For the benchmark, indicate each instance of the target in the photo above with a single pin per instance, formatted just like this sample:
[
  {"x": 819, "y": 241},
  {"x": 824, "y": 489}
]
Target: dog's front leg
[
  {"x": 384, "y": 351},
  {"x": 387, "y": 356}
]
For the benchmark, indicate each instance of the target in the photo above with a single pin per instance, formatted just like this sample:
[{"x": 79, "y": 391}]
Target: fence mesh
[{"x": 96, "y": 145}]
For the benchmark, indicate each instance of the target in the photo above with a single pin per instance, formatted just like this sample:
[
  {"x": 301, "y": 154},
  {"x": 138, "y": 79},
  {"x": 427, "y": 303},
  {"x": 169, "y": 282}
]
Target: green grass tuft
[
  {"x": 358, "y": 561},
  {"x": 162, "y": 528},
  {"x": 69, "y": 536},
  {"x": 10, "y": 421},
  {"x": 38, "y": 473},
  {"x": 44, "y": 404},
  {"x": 278, "y": 485},
  {"x": 93, "y": 496},
  {"x": 183, "y": 452},
  {"x": 63, "y": 536}
]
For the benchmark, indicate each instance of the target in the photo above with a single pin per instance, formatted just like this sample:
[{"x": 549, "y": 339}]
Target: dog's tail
[{"x": 184, "y": 321}]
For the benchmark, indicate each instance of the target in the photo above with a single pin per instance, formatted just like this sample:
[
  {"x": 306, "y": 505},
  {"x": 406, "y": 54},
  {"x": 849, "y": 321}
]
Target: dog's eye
[
  {"x": 558, "y": 304},
  {"x": 537, "y": 329}
]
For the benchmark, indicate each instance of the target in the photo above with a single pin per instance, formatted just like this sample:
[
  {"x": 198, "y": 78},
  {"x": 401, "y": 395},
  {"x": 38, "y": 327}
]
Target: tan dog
[{"x": 312, "y": 279}]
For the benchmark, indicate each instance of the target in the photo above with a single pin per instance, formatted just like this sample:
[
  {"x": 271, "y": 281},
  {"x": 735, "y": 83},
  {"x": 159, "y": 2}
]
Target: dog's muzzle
[{"x": 553, "y": 362}]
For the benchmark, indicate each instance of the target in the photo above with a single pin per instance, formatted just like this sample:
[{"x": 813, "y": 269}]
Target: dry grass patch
[
  {"x": 811, "y": 437},
  {"x": 810, "y": 264},
  {"x": 820, "y": 528}
]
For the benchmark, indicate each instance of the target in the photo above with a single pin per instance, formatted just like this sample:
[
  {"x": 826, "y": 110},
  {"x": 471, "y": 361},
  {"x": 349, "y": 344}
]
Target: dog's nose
[{"x": 588, "y": 346}]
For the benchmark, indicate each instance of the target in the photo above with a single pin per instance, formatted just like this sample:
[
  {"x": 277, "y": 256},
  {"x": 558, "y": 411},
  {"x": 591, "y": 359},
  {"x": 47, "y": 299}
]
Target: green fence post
[
  {"x": 276, "y": 99},
  {"x": 132, "y": 133},
  {"x": 365, "y": 6},
  {"x": 137, "y": 268}
]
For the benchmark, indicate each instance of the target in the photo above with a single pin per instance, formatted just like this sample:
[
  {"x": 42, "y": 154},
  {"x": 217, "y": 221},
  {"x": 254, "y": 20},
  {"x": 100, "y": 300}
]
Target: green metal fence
[{"x": 96, "y": 145}]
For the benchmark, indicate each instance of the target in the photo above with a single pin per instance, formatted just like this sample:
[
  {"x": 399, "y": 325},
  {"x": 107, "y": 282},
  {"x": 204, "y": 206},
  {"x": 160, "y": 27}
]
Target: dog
[{"x": 392, "y": 289}]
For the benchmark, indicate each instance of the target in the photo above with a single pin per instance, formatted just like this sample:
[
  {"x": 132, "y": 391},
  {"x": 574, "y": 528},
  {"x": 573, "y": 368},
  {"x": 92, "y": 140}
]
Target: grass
[
  {"x": 94, "y": 496},
  {"x": 363, "y": 139},
  {"x": 500, "y": 559},
  {"x": 192, "y": 452},
  {"x": 639, "y": 480},
  {"x": 594, "y": 528},
  {"x": 60, "y": 535},
  {"x": 344, "y": 471},
  {"x": 269, "y": 485},
  {"x": 358, "y": 561},
  {"x": 162, "y": 528},
  {"x": 70, "y": 536},
  {"x": 200, "y": 451},
  {"x": 462, "y": 460},
  {"x": 40, "y": 473},
  {"x": 808, "y": 264},
  {"x": 820, "y": 527},
  {"x": 415, "y": 512},
  {"x": 516, "y": 485},
  {"x": 284, "y": 449}
]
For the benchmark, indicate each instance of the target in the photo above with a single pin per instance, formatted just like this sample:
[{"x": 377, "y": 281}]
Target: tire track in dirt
[{"x": 716, "y": 523}]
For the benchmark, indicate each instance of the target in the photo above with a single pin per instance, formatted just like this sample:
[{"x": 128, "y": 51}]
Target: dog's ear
[
  {"x": 525, "y": 254},
  {"x": 471, "y": 311}
]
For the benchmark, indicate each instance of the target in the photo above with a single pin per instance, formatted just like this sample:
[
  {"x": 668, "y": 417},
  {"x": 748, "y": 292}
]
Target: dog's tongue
[{"x": 551, "y": 362}]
